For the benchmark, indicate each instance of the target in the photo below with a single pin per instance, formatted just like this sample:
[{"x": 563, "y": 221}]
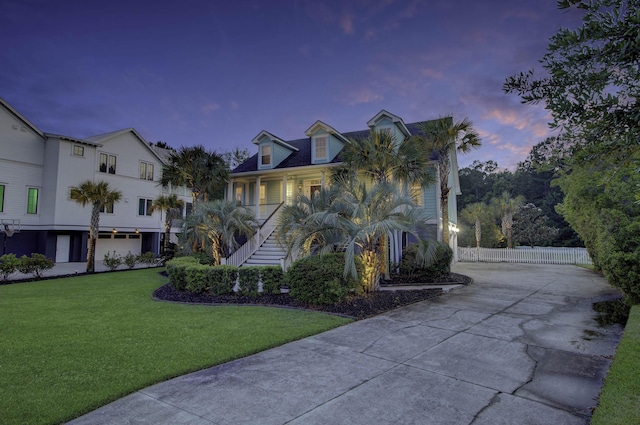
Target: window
[
  {"x": 78, "y": 150},
  {"x": 321, "y": 147},
  {"x": 146, "y": 171},
  {"x": 144, "y": 206},
  {"x": 188, "y": 207},
  {"x": 32, "y": 201},
  {"x": 107, "y": 163},
  {"x": 1, "y": 197},
  {"x": 265, "y": 155},
  {"x": 107, "y": 208},
  {"x": 416, "y": 194}
]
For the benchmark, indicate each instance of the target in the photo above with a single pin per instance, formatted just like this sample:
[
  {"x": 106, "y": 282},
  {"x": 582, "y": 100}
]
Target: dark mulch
[
  {"x": 447, "y": 279},
  {"x": 358, "y": 307}
]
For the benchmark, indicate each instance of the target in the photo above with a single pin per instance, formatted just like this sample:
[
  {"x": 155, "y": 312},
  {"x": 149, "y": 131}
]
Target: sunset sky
[{"x": 217, "y": 73}]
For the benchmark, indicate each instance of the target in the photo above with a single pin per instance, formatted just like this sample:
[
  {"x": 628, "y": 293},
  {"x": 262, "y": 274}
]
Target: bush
[
  {"x": 222, "y": 279},
  {"x": 148, "y": 258},
  {"x": 196, "y": 278},
  {"x": 8, "y": 265},
  {"x": 411, "y": 266},
  {"x": 130, "y": 260},
  {"x": 248, "y": 278},
  {"x": 271, "y": 277},
  {"x": 318, "y": 279},
  {"x": 176, "y": 270},
  {"x": 35, "y": 265},
  {"x": 112, "y": 261}
]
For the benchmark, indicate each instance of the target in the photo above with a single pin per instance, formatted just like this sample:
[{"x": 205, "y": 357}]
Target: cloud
[
  {"x": 361, "y": 96},
  {"x": 346, "y": 23},
  {"x": 209, "y": 107},
  {"x": 235, "y": 105}
]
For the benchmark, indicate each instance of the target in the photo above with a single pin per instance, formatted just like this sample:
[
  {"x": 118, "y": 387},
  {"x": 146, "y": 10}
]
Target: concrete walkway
[{"x": 518, "y": 346}]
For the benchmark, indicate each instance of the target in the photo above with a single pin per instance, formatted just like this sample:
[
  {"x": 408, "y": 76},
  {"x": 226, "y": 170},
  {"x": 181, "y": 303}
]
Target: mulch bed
[{"x": 357, "y": 307}]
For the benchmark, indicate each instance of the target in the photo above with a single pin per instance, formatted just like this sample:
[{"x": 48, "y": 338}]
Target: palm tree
[
  {"x": 204, "y": 173},
  {"x": 214, "y": 225},
  {"x": 442, "y": 136},
  {"x": 474, "y": 213},
  {"x": 172, "y": 207},
  {"x": 506, "y": 207},
  {"x": 98, "y": 195}
]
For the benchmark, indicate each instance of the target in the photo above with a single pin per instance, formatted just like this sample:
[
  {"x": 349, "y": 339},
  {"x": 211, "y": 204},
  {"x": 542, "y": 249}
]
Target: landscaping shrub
[
  {"x": 8, "y": 265},
  {"x": 148, "y": 258},
  {"x": 318, "y": 279},
  {"x": 222, "y": 279},
  {"x": 196, "y": 278},
  {"x": 130, "y": 260},
  {"x": 248, "y": 278},
  {"x": 176, "y": 270},
  {"x": 112, "y": 261},
  {"x": 271, "y": 277},
  {"x": 411, "y": 266},
  {"x": 35, "y": 265}
]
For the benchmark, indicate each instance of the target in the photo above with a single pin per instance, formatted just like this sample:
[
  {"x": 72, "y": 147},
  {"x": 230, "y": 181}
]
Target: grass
[
  {"x": 70, "y": 345},
  {"x": 619, "y": 402}
]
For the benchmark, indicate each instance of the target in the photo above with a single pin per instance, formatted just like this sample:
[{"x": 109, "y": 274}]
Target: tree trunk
[
  {"x": 93, "y": 236},
  {"x": 443, "y": 170},
  {"x": 371, "y": 273},
  {"x": 167, "y": 232},
  {"x": 478, "y": 232}
]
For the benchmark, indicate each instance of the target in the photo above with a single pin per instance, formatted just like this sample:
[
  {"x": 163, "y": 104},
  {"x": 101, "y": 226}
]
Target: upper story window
[
  {"x": 188, "y": 208},
  {"x": 320, "y": 148},
  {"x": 417, "y": 194},
  {"x": 107, "y": 163},
  {"x": 77, "y": 150},
  {"x": 107, "y": 208},
  {"x": 146, "y": 171},
  {"x": 265, "y": 155},
  {"x": 32, "y": 200},
  {"x": 1, "y": 198},
  {"x": 386, "y": 130},
  {"x": 144, "y": 206}
]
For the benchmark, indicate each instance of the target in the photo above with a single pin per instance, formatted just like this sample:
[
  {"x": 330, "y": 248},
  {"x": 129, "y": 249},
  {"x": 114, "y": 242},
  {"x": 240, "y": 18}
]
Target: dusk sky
[{"x": 217, "y": 73}]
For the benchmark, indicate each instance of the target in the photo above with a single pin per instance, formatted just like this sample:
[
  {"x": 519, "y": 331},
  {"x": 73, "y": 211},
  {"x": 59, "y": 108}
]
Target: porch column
[
  {"x": 322, "y": 180},
  {"x": 230, "y": 196},
  {"x": 257, "y": 197},
  {"x": 284, "y": 188}
]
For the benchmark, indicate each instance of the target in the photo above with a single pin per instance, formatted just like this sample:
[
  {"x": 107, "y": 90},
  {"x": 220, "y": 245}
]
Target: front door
[{"x": 63, "y": 245}]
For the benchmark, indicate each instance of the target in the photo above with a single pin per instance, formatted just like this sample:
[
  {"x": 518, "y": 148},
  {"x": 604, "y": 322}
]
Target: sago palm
[{"x": 98, "y": 195}]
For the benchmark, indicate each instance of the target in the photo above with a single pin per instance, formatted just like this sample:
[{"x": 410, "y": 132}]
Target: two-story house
[
  {"x": 282, "y": 168},
  {"x": 37, "y": 171}
]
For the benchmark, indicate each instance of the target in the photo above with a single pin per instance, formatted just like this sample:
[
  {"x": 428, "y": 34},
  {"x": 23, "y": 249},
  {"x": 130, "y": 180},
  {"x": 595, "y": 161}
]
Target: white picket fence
[{"x": 537, "y": 255}]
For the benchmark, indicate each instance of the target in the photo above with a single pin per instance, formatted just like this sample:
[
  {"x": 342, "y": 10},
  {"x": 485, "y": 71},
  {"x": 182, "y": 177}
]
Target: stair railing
[{"x": 253, "y": 244}]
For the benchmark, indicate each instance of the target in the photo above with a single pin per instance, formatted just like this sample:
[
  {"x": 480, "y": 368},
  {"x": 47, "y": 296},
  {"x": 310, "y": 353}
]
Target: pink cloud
[
  {"x": 209, "y": 107},
  {"x": 360, "y": 96},
  {"x": 346, "y": 23}
]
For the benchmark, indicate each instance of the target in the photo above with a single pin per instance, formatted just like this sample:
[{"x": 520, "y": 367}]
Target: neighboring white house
[{"x": 38, "y": 169}]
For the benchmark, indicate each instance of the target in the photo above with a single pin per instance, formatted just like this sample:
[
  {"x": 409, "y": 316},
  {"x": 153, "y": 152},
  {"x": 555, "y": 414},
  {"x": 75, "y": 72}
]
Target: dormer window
[
  {"x": 320, "y": 149},
  {"x": 265, "y": 155}
]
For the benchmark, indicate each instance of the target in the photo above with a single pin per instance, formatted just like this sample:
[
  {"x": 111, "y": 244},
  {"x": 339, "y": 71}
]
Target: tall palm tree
[
  {"x": 443, "y": 136},
  {"x": 474, "y": 213},
  {"x": 506, "y": 207},
  {"x": 214, "y": 225},
  {"x": 204, "y": 173},
  {"x": 171, "y": 206},
  {"x": 98, "y": 195}
]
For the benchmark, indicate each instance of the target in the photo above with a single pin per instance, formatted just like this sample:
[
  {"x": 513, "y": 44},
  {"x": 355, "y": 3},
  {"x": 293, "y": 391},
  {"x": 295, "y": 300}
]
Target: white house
[{"x": 37, "y": 170}]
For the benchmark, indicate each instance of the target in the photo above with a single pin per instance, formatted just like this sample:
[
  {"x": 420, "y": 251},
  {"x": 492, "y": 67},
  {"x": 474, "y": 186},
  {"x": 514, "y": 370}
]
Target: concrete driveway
[{"x": 518, "y": 346}]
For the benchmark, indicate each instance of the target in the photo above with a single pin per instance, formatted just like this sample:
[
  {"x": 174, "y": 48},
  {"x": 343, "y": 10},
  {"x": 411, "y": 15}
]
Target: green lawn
[
  {"x": 68, "y": 346},
  {"x": 620, "y": 398}
]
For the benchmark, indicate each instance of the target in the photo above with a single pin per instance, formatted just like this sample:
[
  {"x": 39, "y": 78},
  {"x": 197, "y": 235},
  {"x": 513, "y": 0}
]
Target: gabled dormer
[
  {"x": 386, "y": 121},
  {"x": 272, "y": 150},
  {"x": 326, "y": 142}
]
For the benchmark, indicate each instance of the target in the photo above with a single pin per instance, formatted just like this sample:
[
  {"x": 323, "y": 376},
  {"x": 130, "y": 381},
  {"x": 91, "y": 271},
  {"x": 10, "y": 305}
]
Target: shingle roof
[{"x": 303, "y": 156}]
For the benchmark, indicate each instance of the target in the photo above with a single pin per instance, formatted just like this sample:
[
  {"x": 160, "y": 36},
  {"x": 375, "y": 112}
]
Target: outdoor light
[
  {"x": 137, "y": 231},
  {"x": 114, "y": 230}
]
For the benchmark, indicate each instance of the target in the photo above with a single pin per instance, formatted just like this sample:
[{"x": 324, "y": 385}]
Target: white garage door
[{"x": 120, "y": 243}]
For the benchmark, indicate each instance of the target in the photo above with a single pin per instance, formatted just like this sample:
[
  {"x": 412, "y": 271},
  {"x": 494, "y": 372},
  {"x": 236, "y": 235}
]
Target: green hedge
[
  {"x": 186, "y": 273},
  {"x": 319, "y": 279},
  {"x": 222, "y": 279},
  {"x": 412, "y": 267},
  {"x": 248, "y": 278},
  {"x": 272, "y": 278},
  {"x": 176, "y": 270}
]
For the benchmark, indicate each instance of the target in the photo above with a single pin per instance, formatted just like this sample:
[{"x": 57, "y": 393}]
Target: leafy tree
[
  {"x": 507, "y": 206},
  {"x": 214, "y": 226},
  {"x": 443, "y": 136},
  {"x": 204, "y": 173},
  {"x": 591, "y": 83},
  {"x": 235, "y": 157},
  {"x": 531, "y": 227},
  {"x": 98, "y": 195},
  {"x": 171, "y": 206}
]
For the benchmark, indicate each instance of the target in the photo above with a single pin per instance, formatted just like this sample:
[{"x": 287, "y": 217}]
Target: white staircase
[{"x": 269, "y": 253}]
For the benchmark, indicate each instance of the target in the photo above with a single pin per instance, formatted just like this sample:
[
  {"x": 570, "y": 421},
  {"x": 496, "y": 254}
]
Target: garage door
[{"x": 121, "y": 243}]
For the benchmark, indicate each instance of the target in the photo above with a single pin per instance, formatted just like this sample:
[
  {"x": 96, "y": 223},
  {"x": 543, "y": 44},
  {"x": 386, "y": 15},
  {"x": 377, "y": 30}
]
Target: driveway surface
[{"x": 518, "y": 346}]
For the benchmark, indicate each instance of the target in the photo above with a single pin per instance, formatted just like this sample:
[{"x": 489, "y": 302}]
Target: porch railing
[
  {"x": 252, "y": 245},
  {"x": 526, "y": 255}
]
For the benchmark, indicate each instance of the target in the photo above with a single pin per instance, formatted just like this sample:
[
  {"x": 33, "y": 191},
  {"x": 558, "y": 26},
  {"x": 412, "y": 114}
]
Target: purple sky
[{"x": 217, "y": 73}]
